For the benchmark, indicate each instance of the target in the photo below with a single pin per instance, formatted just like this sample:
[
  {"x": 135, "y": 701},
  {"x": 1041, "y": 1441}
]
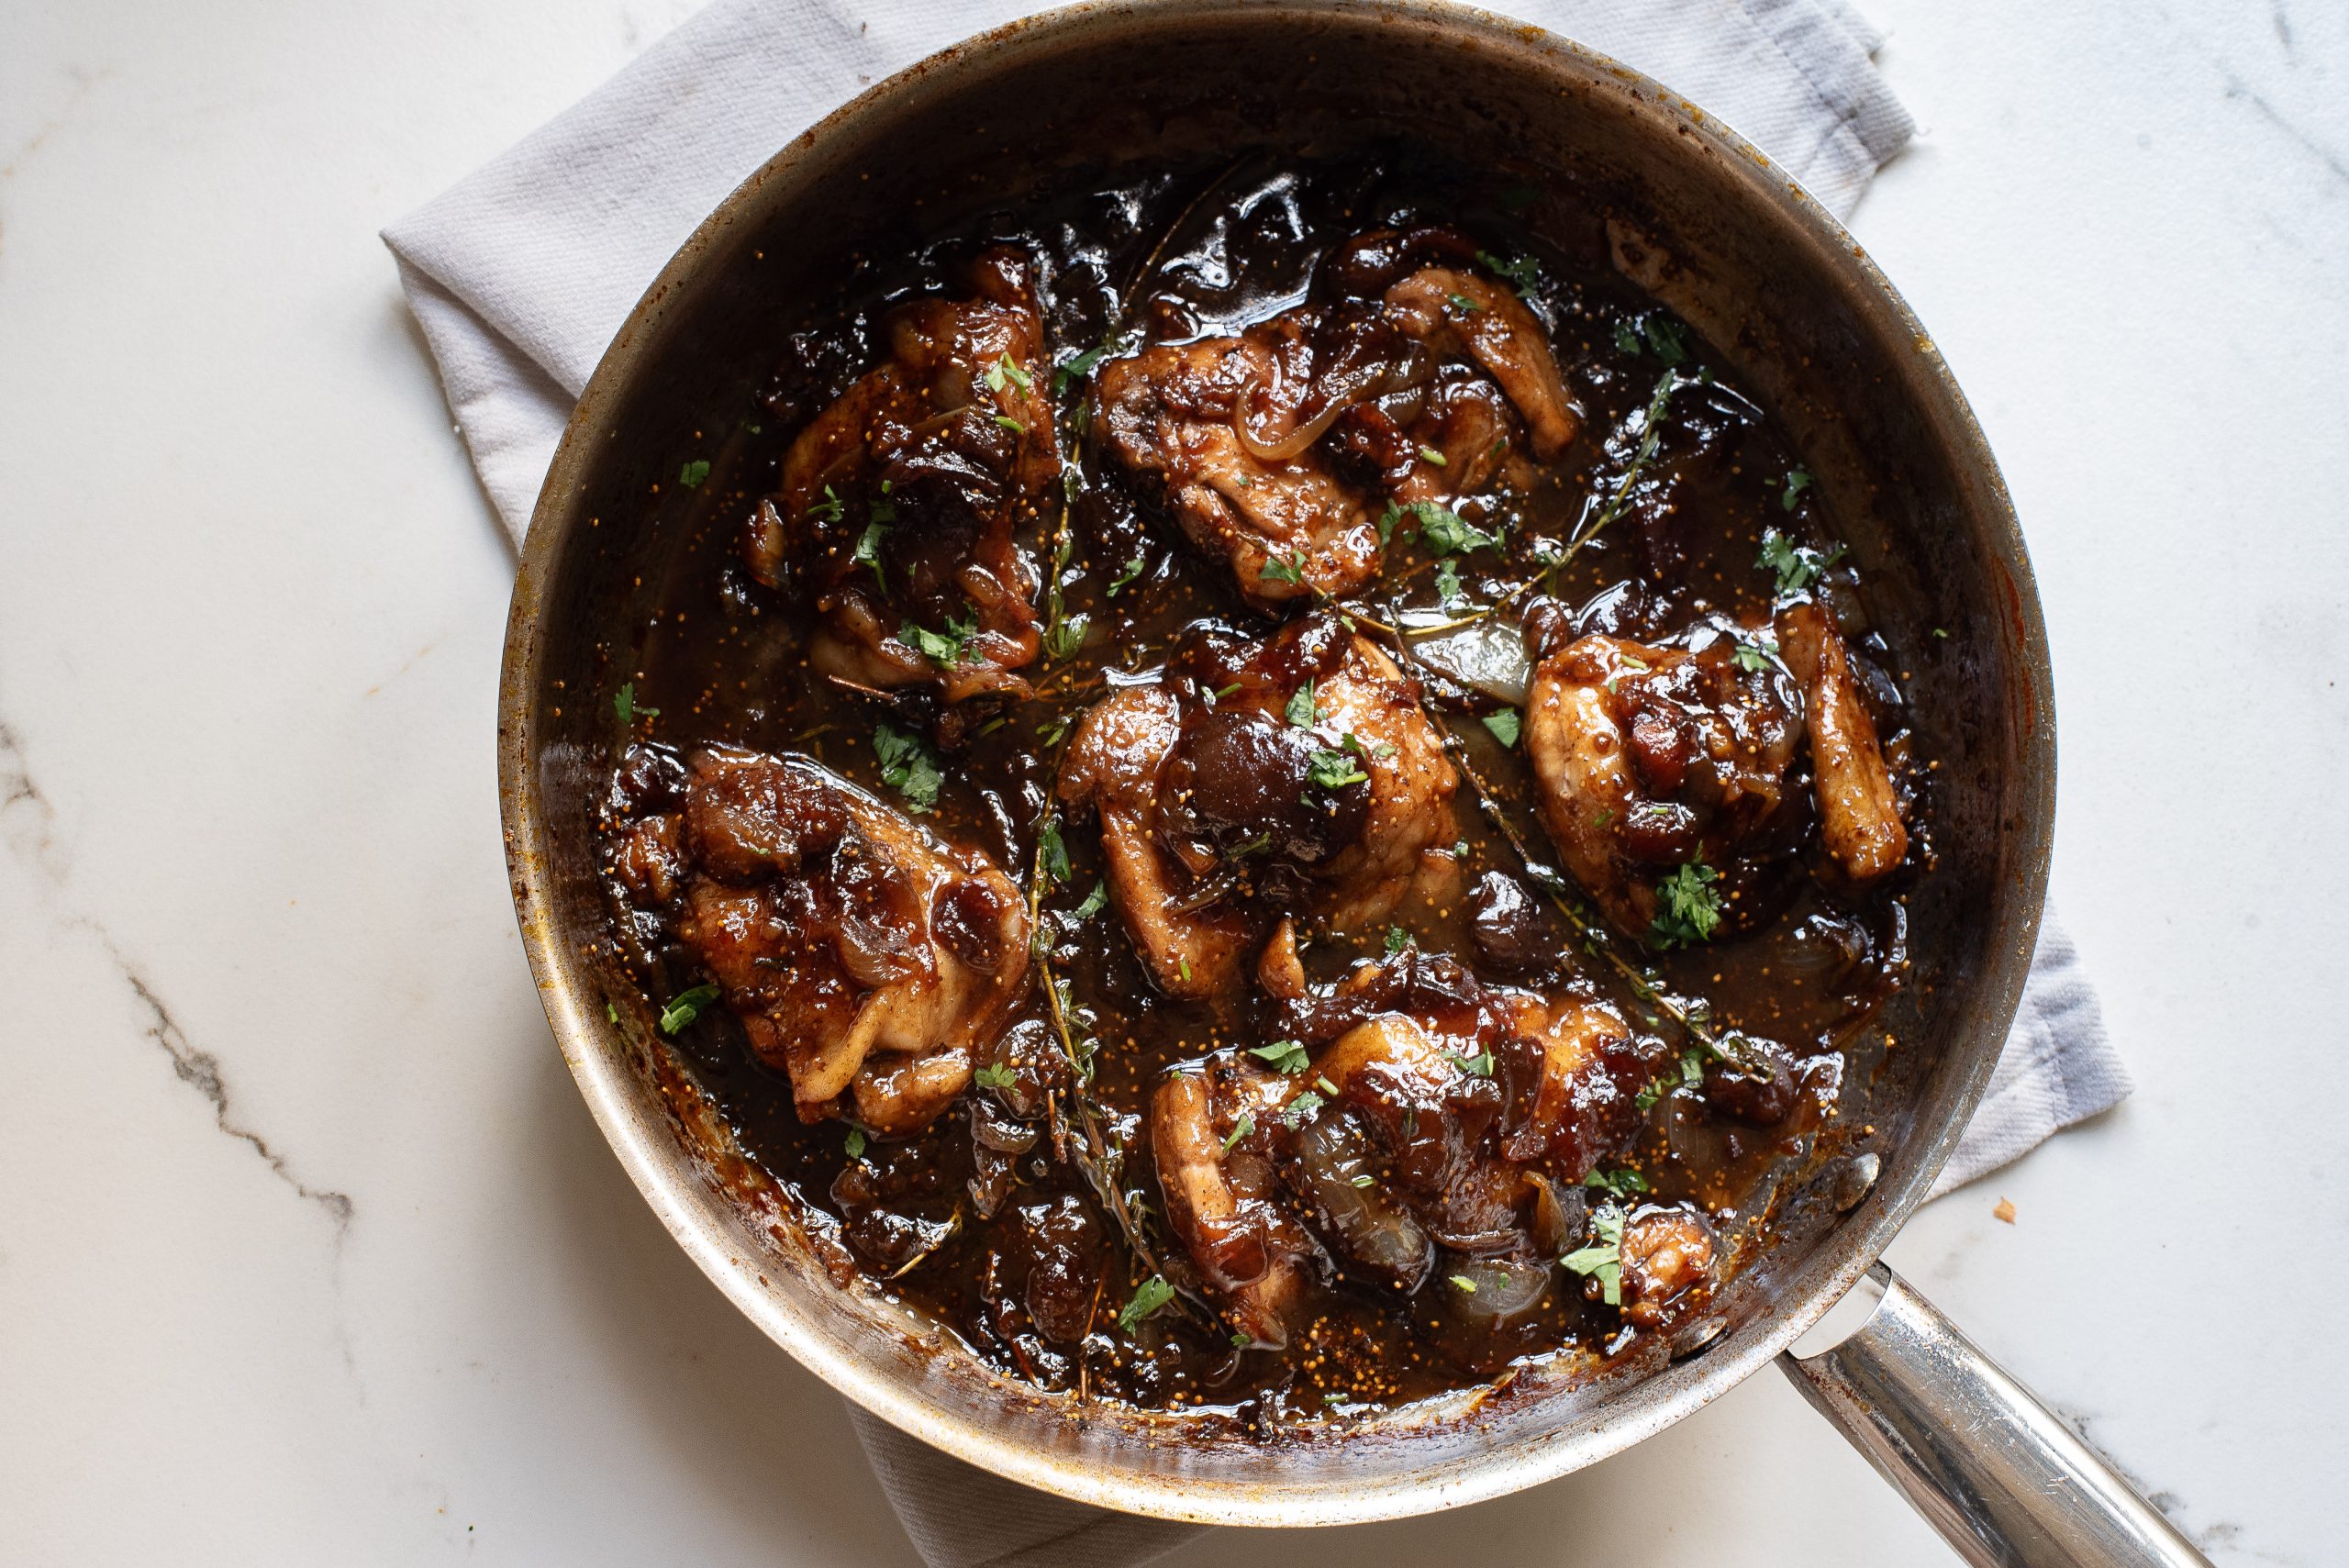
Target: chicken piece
[
  {"x": 1226, "y": 789},
  {"x": 1466, "y": 314},
  {"x": 861, "y": 954},
  {"x": 1464, "y": 420},
  {"x": 1859, "y": 817},
  {"x": 1287, "y": 526},
  {"x": 1652, "y": 758},
  {"x": 1464, "y": 1104},
  {"x": 897, "y": 504},
  {"x": 1667, "y": 1265},
  {"x": 1114, "y": 763},
  {"x": 1207, "y": 1133}
]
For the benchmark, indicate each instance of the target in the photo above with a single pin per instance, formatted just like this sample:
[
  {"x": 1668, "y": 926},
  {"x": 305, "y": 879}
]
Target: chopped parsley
[
  {"x": 1150, "y": 1298},
  {"x": 1796, "y": 482},
  {"x": 1666, "y": 337},
  {"x": 1464, "y": 1285},
  {"x": 1066, "y": 637},
  {"x": 1285, "y": 1055},
  {"x": 1627, "y": 336},
  {"x": 1364, "y": 1179},
  {"x": 612, "y": 1011},
  {"x": 1240, "y": 1129},
  {"x": 687, "y": 1008},
  {"x": 1433, "y": 458},
  {"x": 1334, "y": 770},
  {"x": 1009, "y": 423},
  {"x": 907, "y": 766},
  {"x": 1447, "y": 582},
  {"x": 693, "y": 473},
  {"x": 1688, "y": 907},
  {"x": 855, "y": 1143},
  {"x": 1303, "y": 1108},
  {"x": 1619, "y": 1184},
  {"x": 1462, "y": 304},
  {"x": 1753, "y": 656},
  {"x": 1303, "y": 711},
  {"x": 1444, "y": 530},
  {"x": 1003, "y": 370},
  {"x": 1134, "y": 569},
  {"x": 1505, "y": 725},
  {"x": 1477, "y": 1066},
  {"x": 1397, "y": 939},
  {"x": 868, "y": 547},
  {"x": 1279, "y": 569},
  {"x": 1326, "y": 1086},
  {"x": 827, "y": 510},
  {"x": 1797, "y": 565},
  {"x": 1603, "y": 1259},
  {"x": 945, "y": 649},
  {"x": 1094, "y": 902},
  {"x": 1687, "y": 1071},
  {"x": 993, "y": 1075},
  {"x": 1522, "y": 275},
  {"x": 624, "y": 704}
]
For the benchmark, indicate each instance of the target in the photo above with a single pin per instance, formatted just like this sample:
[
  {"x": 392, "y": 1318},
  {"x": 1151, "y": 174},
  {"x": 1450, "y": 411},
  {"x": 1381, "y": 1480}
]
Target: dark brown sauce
[{"x": 1189, "y": 253}]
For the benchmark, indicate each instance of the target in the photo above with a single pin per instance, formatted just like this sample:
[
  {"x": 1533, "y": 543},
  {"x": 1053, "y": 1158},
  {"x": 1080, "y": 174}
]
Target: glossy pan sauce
[{"x": 991, "y": 1217}]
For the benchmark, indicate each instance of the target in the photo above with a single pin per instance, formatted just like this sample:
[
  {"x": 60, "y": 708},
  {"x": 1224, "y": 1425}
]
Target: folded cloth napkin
[{"x": 521, "y": 274}]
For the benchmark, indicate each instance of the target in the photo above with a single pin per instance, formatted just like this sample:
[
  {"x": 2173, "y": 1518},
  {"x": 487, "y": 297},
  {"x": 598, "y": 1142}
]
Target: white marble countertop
[{"x": 309, "y": 1253}]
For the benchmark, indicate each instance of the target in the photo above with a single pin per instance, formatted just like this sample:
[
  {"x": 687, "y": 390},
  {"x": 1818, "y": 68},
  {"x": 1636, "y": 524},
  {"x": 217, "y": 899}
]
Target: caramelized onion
[
  {"x": 1344, "y": 391},
  {"x": 1374, "y": 1230},
  {"x": 1503, "y": 1287}
]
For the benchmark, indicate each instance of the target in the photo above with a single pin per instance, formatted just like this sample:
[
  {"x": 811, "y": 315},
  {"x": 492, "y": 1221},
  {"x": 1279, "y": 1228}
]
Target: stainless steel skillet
[{"x": 1704, "y": 220}]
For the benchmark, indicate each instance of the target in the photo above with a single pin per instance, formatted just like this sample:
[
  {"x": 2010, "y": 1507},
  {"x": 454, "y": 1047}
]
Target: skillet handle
[{"x": 1995, "y": 1471}]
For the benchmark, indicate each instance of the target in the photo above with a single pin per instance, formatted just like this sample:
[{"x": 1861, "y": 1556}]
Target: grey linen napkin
[{"x": 520, "y": 274}]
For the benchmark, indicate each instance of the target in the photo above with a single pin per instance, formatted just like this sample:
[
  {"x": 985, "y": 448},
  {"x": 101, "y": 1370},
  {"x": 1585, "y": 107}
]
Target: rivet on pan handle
[{"x": 1995, "y": 1471}]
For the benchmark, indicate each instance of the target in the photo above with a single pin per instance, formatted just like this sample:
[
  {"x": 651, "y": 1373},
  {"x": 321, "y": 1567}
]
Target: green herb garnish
[
  {"x": 907, "y": 766},
  {"x": 855, "y": 1143},
  {"x": 1134, "y": 569},
  {"x": 868, "y": 548},
  {"x": 1753, "y": 656},
  {"x": 1285, "y": 1055},
  {"x": 687, "y": 1008},
  {"x": 1621, "y": 1184},
  {"x": 1603, "y": 1259},
  {"x": 693, "y": 473},
  {"x": 1796, "y": 482},
  {"x": 945, "y": 649},
  {"x": 1303, "y": 710},
  {"x": 1797, "y": 565},
  {"x": 1067, "y": 636},
  {"x": 1334, "y": 770},
  {"x": 1688, "y": 909},
  {"x": 993, "y": 1075},
  {"x": 1303, "y": 1108},
  {"x": 1094, "y": 902},
  {"x": 1051, "y": 853},
  {"x": 1397, "y": 939},
  {"x": 1505, "y": 725},
  {"x": 827, "y": 510},
  {"x": 624, "y": 704},
  {"x": 1279, "y": 569},
  {"x": 1240, "y": 1129},
  {"x": 1148, "y": 1300},
  {"x": 1521, "y": 272}
]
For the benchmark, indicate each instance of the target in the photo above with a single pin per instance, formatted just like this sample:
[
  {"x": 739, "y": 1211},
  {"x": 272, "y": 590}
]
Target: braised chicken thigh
[
  {"x": 897, "y": 504},
  {"x": 1302, "y": 768},
  {"x": 864, "y": 957}
]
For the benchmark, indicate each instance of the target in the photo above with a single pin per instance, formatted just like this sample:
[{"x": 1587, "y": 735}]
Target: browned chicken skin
[
  {"x": 1270, "y": 448},
  {"x": 897, "y": 504},
  {"x": 862, "y": 955},
  {"x": 1440, "y": 1119},
  {"x": 1228, "y": 782},
  {"x": 1650, "y": 759},
  {"x": 1859, "y": 816}
]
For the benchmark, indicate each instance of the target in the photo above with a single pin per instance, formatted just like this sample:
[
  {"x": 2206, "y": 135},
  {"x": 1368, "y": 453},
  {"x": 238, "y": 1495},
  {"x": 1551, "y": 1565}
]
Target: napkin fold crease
[{"x": 521, "y": 273}]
